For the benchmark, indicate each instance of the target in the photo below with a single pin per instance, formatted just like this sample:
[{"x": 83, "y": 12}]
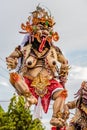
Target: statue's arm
[
  {"x": 16, "y": 53},
  {"x": 64, "y": 68},
  {"x": 71, "y": 105},
  {"x": 12, "y": 59}
]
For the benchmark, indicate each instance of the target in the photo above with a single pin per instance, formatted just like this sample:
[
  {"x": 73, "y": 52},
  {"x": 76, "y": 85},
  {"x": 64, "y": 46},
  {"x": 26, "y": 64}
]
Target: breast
[{"x": 31, "y": 62}]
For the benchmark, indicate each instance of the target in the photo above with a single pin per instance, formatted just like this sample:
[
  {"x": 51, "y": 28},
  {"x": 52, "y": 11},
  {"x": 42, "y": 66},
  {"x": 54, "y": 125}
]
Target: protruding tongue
[{"x": 42, "y": 44}]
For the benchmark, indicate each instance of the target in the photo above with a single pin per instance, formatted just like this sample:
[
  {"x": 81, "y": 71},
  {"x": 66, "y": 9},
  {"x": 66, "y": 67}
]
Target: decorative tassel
[{"x": 38, "y": 110}]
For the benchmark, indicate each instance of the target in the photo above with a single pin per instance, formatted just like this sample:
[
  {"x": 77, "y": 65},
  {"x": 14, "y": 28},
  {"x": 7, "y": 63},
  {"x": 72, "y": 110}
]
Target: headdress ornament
[{"x": 40, "y": 24}]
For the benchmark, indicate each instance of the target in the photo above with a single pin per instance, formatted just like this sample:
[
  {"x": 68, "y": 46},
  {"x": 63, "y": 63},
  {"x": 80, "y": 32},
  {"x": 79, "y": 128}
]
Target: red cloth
[
  {"x": 53, "y": 128},
  {"x": 45, "y": 100},
  {"x": 64, "y": 128}
]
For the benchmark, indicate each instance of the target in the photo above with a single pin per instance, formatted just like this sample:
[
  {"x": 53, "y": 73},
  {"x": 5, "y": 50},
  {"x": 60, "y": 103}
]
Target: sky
[{"x": 71, "y": 24}]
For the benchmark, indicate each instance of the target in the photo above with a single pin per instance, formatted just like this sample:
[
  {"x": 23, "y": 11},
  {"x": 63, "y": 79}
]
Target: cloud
[
  {"x": 78, "y": 72},
  {"x": 4, "y": 83}
]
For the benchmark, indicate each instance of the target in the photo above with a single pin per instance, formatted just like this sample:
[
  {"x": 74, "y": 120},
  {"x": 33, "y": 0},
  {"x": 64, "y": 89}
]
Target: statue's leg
[
  {"x": 59, "y": 101},
  {"x": 70, "y": 128},
  {"x": 22, "y": 88},
  {"x": 58, "y": 104}
]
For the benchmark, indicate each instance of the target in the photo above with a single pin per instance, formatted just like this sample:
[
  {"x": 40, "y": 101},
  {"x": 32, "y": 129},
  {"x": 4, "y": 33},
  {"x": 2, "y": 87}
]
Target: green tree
[{"x": 17, "y": 117}]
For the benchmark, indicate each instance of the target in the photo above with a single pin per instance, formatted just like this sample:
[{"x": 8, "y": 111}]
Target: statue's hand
[
  {"x": 63, "y": 80},
  {"x": 11, "y": 63}
]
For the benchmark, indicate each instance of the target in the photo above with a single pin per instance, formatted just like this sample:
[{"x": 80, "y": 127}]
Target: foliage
[{"x": 17, "y": 117}]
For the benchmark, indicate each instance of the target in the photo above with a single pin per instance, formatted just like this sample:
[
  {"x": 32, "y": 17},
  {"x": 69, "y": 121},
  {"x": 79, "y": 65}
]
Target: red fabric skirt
[{"x": 45, "y": 100}]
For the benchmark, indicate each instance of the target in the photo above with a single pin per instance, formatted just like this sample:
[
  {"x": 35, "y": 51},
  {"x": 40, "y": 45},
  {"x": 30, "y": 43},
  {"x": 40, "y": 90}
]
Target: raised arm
[{"x": 12, "y": 59}]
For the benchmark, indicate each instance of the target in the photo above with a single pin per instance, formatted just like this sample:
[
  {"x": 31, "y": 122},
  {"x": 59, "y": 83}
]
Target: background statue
[{"x": 79, "y": 121}]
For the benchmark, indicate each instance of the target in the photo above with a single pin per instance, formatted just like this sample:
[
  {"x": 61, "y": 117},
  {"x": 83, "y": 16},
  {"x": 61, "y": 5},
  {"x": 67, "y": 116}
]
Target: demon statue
[
  {"x": 79, "y": 121},
  {"x": 39, "y": 78}
]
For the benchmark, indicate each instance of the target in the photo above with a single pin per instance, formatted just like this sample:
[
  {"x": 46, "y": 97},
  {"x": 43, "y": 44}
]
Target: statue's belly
[{"x": 32, "y": 73}]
